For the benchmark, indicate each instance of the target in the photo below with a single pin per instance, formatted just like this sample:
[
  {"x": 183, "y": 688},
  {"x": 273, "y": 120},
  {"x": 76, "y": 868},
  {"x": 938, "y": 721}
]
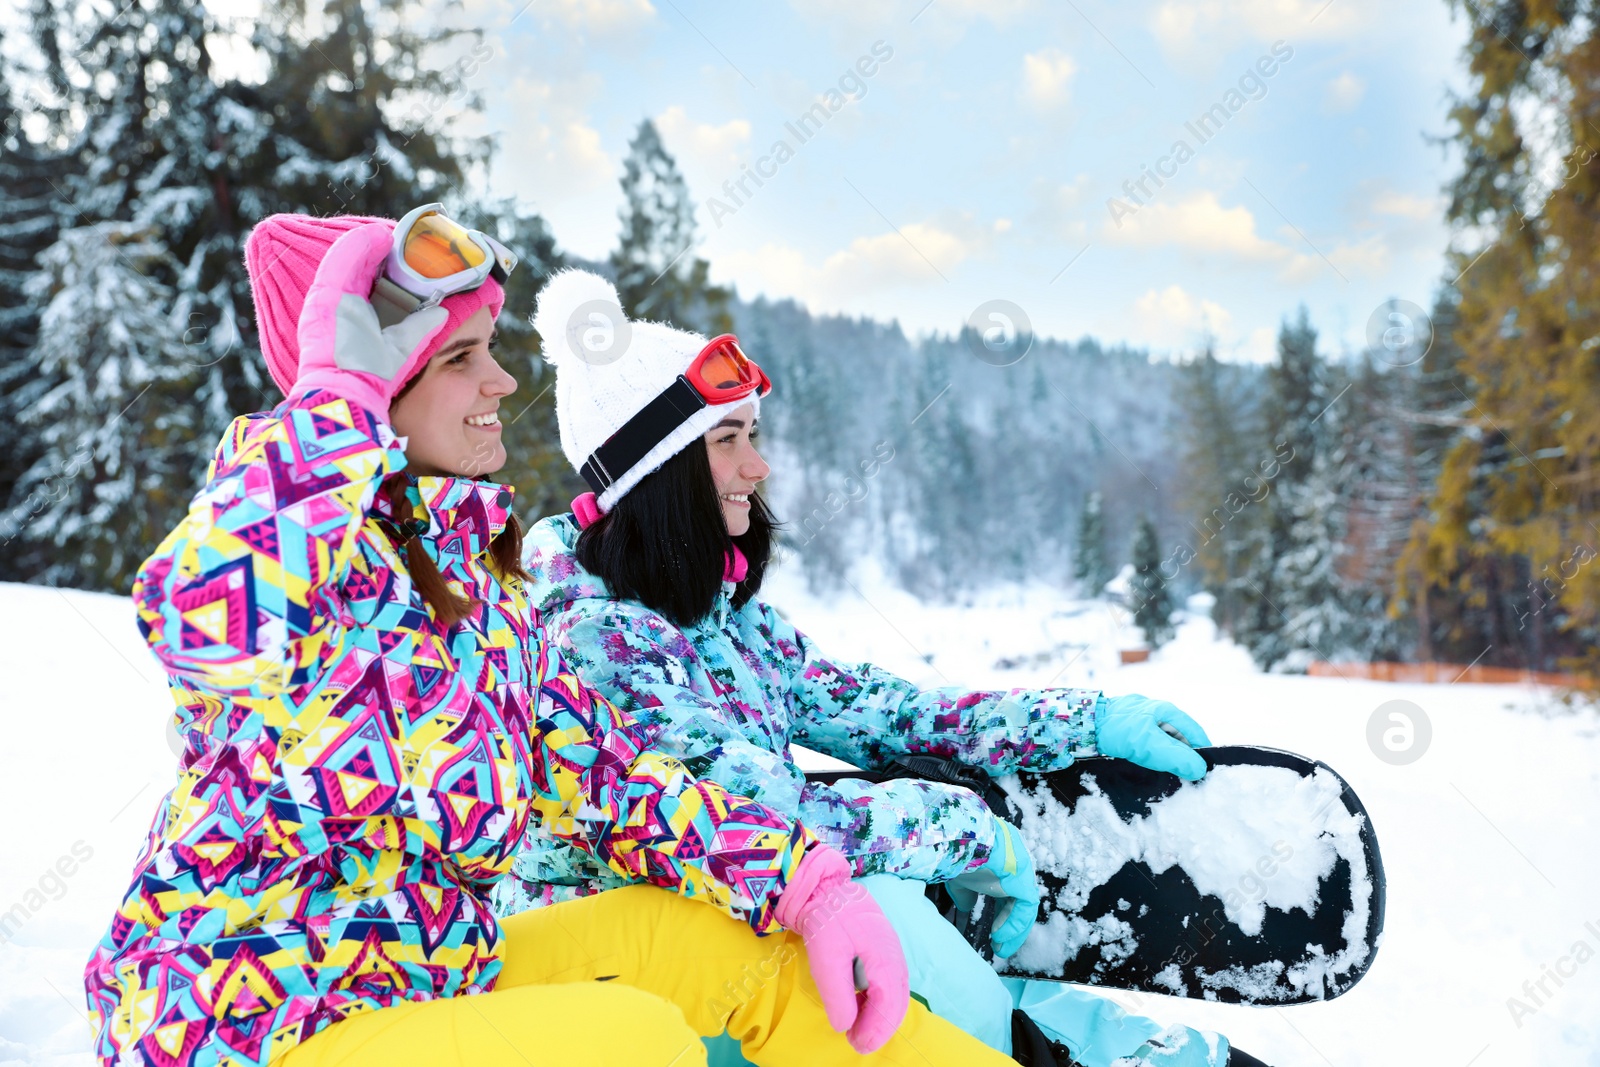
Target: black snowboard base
[{"x": 1119, "y": 855}]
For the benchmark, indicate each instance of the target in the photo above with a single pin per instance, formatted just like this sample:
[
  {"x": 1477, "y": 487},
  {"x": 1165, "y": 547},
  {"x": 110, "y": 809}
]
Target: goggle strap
[{"x": 654, "y": 423}]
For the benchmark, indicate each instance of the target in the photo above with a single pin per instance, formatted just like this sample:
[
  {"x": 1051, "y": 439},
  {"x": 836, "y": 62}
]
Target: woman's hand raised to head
[{"x": 342, "y": 347}]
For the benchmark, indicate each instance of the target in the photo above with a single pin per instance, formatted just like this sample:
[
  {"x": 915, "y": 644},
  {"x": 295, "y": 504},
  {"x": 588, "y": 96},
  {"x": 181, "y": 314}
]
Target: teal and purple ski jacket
[{"x": 729, "y": 695}]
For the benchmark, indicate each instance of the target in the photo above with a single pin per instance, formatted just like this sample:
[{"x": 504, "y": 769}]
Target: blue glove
[
  {"x": 1179, "y": 1046},
  {"x": 1100, "y": 1034},
  {"x": 1008, "y": 875},
  {"x": 1147, "y": 732}
]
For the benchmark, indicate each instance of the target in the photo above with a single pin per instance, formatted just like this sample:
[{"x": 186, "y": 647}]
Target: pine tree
[
  {"x": 1517, "y": 500},
  {"x": 1316, "y": 619},
  {"x": 29, "y": 223},
  {"x": 657, "y": 276},
  {"x": 1223, "y": 483},
  {"x": 164, "y": 141},
  {"x": 1089, "y": 564},
  {"x": 1153, "y": 603},
  {"x": 112, "y": 472},
  {"x": 156, "y": 139},
  {"x": 1298, "y": 426},
  {"x": 1434, "y": 410}
]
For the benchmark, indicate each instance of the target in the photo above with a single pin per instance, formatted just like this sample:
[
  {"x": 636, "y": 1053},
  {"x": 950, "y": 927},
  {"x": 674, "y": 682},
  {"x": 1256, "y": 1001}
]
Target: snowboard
[{"x": 1260, "y": 884}]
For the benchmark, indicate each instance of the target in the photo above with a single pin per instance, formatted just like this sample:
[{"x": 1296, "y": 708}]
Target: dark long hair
[{"x": 666, "y": 545}]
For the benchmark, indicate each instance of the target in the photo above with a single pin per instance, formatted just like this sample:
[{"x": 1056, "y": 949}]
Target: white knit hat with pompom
[{"x": 609, "y": 367}]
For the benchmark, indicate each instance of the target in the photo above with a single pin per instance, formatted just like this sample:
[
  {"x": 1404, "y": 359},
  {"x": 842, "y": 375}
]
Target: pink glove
[
  {"x": 342, "y": 347},
  {"x": 847, "y": 936}
]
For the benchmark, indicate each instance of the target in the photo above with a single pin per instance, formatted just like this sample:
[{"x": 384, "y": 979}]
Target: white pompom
[{"x": 577, "y": 314}]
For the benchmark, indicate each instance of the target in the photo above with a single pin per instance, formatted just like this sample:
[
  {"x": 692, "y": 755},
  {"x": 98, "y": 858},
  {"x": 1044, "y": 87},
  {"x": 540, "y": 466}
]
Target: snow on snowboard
[{"x": 1260, "y": 884}]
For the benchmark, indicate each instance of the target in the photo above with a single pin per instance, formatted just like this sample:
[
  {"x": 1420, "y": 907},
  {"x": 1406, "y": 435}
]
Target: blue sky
[
  {"x": 978, "y": 161},
  {"x": 980, "y": 158}
]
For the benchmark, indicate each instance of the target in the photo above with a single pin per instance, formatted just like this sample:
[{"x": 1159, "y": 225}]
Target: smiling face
[
  {"x": 736, "y": 466},
  {"x": 449, "y": 413}
]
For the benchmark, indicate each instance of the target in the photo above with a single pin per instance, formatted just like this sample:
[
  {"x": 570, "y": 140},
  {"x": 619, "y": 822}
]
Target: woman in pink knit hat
[{"x": 372, "y": 718}]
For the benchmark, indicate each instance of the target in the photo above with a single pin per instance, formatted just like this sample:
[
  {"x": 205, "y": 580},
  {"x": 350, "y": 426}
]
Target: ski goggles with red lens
[
  {"x": 720, "y": 374},
  {"x": 434, "y": 257}
]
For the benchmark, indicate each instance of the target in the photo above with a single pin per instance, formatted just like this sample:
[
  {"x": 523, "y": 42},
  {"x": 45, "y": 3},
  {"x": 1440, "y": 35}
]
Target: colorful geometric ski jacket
[
  {"x": 356, "y": 776},
  {"x": 729, "y": 695}
]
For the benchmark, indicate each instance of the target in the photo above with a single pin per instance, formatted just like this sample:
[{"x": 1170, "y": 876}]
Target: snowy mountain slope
[{"x": 1491, "y": 840}]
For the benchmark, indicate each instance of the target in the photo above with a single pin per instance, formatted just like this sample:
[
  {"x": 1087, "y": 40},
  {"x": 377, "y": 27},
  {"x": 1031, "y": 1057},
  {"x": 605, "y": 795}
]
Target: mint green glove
[
  {"x": 1007, "y": 875},
  {"x": 1151, "y": 733},
  {"x": 1179, "y": 1046},
  {"x": 1098, "y": 1033}
]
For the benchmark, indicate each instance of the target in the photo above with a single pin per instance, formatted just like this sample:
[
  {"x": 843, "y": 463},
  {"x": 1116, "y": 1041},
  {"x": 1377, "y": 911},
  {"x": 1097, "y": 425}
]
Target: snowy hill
[{"x": 1491, "y": 839}]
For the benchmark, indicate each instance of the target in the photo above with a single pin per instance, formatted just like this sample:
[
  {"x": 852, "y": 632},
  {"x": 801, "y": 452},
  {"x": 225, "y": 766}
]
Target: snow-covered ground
[{"x": 1491, "y": 840}]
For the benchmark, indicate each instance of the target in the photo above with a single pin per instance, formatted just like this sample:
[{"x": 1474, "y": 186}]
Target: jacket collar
[{"x": 458, "y": 516}]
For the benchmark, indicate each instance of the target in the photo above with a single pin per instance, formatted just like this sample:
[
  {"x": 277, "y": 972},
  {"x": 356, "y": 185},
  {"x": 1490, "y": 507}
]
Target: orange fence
[{"x": 1446, "y": 672}]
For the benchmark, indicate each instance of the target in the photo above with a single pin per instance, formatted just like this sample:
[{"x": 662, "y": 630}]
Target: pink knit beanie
[{"x": 282, "y": 255}]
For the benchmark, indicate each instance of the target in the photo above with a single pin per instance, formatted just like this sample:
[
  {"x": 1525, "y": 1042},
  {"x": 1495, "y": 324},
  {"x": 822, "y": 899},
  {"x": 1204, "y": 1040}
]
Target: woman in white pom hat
[{"x": 649, "y": 587}]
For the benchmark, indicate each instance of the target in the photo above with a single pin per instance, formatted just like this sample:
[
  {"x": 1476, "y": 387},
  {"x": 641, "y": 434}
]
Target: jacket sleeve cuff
[
  {"x": 818, "y": 864},
  {"x": 1091, "y": 743},
  {"x": 357, "y": 387}
]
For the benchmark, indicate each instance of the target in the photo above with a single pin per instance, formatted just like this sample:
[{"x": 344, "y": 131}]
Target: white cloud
[
  {"x": 1198, "y": 222},
  {"x": 870, "y": 17},
  {"x": 553, "y": 145},
  {"x": 1195, "y": 26},
  {"x": 1057, "y": 210},
  {"x": 1172, "y": 317},
  {"x": 1047, "y": 77},
  {"x": 600, "y": 16},
  {"x": 778, "y": 270},
  {"x": 1201, "y": 223},
  {"x": 552, "y": 158},
  {"x": 1406, "y": 206},
  {"x": 708, "y": 155},
  {"x": 1345, "y": 92},
  {"x": 854, "y": 278},
  {"x": 1260, "y": 347},
  {"x": 1367, "y": 259},
  {"x": 912, "y": 255}
]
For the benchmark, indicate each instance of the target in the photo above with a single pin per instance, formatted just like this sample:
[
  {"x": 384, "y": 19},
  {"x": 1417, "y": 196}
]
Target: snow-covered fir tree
[
  {"x": 1317, "y": 621},
  {"x": 29, "y": 223},
  {"x": 1224, "y": 480},
  {"x": 155, "y": 138},
  {"x": 1151, "y": 595},
  {"x": 1089, "y": 560},
  {"x": 1296, "y": 425},
  {"x": 658, "y": 276},
  {"x": 115, "y": 426}
]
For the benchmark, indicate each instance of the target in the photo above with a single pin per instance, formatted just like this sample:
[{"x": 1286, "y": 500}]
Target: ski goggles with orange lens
[
  {"x": 434, "y": 257},
  {"x": 720, "y": 374}
]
